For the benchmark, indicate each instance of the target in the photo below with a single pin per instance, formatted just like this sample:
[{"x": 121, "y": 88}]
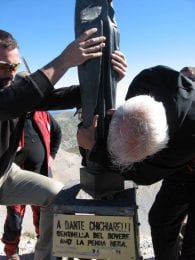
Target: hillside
[{"x": 68, "y": 123}]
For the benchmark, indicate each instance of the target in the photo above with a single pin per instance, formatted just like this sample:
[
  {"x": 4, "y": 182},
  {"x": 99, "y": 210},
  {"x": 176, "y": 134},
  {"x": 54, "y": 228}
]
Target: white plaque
[{"x": 92, "y": 236}]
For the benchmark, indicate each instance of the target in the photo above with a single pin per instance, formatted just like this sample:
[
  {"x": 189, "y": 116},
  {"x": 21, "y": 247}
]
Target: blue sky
[{"x": 152, "y": 32}]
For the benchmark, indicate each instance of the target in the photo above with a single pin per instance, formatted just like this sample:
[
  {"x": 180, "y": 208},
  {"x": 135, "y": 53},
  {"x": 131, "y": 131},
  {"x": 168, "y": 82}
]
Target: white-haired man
[
  {"x": 142, "y": 121},
  {"x": 137, "y": 129},
  {"x": 173, "y": 161}
]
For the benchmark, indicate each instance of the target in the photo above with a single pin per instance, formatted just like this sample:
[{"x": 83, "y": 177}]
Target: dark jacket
[
  {"x": 177, "y": 94},
  {"x": 55, "y": 136},
  {"x": 49, "y": 132},
  {"x": 34, "y": 92}
]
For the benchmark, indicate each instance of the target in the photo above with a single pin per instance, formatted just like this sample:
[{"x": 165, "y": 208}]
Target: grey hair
[{"x": 138, "y": 129}]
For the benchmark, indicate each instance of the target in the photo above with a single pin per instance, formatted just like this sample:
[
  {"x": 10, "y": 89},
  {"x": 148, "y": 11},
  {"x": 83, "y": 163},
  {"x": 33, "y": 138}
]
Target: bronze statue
[
  {"x": 98, "y": 88},
  {"x": 97, "y": 78}
]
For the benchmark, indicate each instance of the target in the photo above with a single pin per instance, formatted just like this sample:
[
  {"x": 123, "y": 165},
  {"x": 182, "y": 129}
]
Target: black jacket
[
  {"x": 34, "y": 92},
  {"x": 177, "y": 94},
  {"x": 55, "y": 135}
]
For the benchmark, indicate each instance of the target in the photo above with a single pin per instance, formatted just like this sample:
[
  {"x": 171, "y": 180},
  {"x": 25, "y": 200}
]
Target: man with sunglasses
[{"x": 36, "y": 92}]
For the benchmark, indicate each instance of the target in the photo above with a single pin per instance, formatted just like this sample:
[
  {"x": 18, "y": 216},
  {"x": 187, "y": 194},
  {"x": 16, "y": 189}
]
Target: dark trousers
[{"x": 173, "y": 202}]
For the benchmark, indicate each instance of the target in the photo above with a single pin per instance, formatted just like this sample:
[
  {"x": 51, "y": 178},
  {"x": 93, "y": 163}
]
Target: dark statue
[
  {"x": 98, "y": 89},
  {"x": 98, "y": 94},
  {"x": 97, "y": 79}
]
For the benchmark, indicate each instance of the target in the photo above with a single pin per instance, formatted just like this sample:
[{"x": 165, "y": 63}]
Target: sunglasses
[{"x": 8, "y": 67}]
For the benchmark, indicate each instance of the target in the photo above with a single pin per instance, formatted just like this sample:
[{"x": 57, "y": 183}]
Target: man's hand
[
  {"x": 83, "y": 48},
  {"x": 119, "y": 64},
  {"x": 86, "y": 136},
  {"x": 80, "y": 50}
]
